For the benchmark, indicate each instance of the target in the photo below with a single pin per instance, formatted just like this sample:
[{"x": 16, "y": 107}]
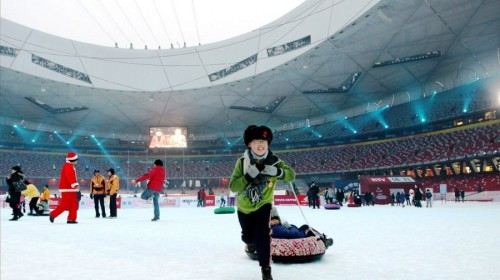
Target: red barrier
[
  {"x": 210, "y": 200},
  {"x": 289, "y": 200}
]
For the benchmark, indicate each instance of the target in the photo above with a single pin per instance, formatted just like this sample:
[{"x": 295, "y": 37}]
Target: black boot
[
  {"x": 266, "y": 273},
  {"x": 250, "y": 248}
]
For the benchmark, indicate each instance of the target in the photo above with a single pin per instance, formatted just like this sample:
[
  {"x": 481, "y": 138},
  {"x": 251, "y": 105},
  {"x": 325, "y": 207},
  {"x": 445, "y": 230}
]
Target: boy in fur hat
[{"x": 254, "y": 179}]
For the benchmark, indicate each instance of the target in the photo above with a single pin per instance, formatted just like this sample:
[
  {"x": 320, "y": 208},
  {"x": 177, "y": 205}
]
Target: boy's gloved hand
[
  {"x": 272, "y": 171},
  {"x": 252, "y": 173}
]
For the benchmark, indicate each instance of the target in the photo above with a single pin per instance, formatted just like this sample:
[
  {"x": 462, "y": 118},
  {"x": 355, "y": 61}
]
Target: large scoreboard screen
[{"x": 167, "y": 137}]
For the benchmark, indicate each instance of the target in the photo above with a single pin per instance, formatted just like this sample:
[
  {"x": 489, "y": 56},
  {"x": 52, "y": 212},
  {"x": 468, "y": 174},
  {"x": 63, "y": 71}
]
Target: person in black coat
[
  {"x": 314, "y": 195},
  {"x": 338, "y": 197},
  {"x": 309, "y": 197},
  {"x": 16, "y": 175},
  {"x": 418, "y": 197}
]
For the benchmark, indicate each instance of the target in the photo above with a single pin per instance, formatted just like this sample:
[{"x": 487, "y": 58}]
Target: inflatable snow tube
[
  {"x": 224, "y": 210},
  {"x": 332, "y": 206},
  {"x": 353, "y": 205},
  {"x": 297, "y": 250}
]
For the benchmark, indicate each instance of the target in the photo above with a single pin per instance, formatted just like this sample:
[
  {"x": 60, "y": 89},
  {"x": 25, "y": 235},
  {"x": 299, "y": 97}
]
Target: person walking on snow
[
  {"x": 428, "y": 196},
  {"x": 69, "y": 188}
]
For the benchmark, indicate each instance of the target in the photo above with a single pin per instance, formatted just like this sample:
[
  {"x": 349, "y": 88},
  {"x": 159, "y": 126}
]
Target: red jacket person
[
  {"x": 156, "y": 179},
  {"x": 69, "y": 188}
]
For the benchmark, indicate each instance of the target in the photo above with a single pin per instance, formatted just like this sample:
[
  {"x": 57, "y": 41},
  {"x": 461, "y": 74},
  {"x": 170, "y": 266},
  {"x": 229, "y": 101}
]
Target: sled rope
[{"x": 298, "y": 204}]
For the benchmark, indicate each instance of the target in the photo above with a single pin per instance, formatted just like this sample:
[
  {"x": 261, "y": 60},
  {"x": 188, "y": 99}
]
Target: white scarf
[{"x": 247, "y": 162}]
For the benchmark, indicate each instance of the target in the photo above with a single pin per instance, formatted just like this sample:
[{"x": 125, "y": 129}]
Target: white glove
[
  {"x": 272, "y": 171},
  {"x": 253, "y": 171}
]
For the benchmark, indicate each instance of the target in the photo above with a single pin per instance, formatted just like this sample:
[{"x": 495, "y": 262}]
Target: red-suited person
[
  {"x": 69, "y": 188},
  {"x": 156, "y": 179}
]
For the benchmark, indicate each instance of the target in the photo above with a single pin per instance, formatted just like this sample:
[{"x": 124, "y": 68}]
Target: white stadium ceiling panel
[
  {"x": 478, "y": 46},
  {"x": 126, "y": 75},
  {"x": 487, "y": 13},
  {"x": 490, "y": 61},
  {"x": 368, "y": 84},
  {"x": 393, "y": 76},
  {"x": 456, "y": 13},
  {"x": 184, "y": 70},
  {"x": 228, "y": 100},
  {"x": 421, "y": 70}
]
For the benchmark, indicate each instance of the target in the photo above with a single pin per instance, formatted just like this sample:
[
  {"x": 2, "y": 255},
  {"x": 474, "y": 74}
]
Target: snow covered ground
[{"x": 451, "y": 241}]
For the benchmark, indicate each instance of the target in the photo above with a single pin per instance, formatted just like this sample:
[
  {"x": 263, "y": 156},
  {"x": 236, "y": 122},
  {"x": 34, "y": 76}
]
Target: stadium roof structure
[{"x": 322, "y": 60}]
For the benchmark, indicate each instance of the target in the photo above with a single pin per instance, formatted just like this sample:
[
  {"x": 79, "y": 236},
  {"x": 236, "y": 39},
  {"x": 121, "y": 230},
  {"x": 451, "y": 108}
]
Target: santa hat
[
  {"x": 254, "y": 132},
  {"x": 71, "y": 156}
]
